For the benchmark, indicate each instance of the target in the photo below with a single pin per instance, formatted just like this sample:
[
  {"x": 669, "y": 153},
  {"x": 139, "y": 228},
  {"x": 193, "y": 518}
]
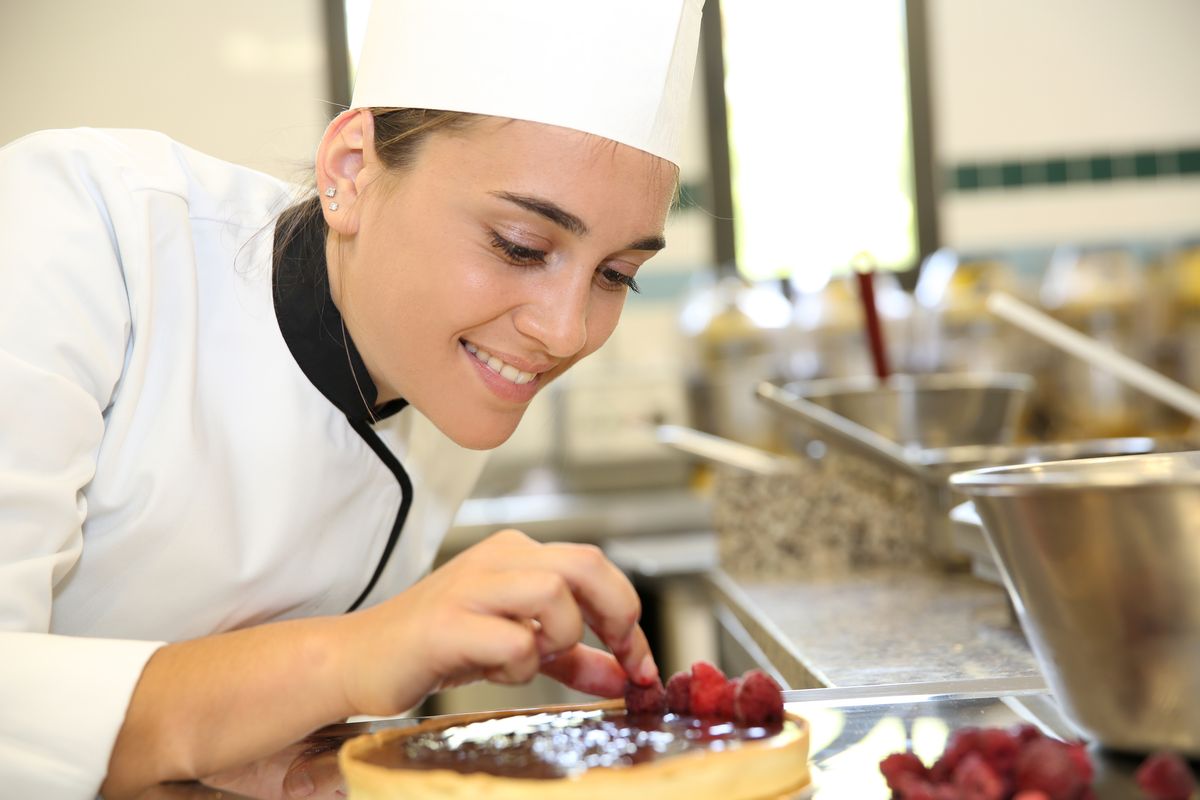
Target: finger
[
  {"x": 635, "y": 657},
  {"x": 298, "y": 782},
  {"x": 610, "y": 604},
  {"x": 503, "y": 650},
  {"x": 314, "y": 777},
  {"x": 588, "y": 670},
  {"x": 544, "y": 596},
  {"x": 261, "y": 778}
]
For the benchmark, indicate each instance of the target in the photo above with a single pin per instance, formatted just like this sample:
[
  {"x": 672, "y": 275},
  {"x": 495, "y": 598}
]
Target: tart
[{"x": 597, "y": 751}]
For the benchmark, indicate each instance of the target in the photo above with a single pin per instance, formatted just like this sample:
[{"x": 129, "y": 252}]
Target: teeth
[{"x": 506, "y": 371}]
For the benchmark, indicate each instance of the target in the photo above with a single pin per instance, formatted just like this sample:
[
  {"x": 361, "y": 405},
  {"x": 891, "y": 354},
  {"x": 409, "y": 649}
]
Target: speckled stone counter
[{"x": 883, "y": 626}]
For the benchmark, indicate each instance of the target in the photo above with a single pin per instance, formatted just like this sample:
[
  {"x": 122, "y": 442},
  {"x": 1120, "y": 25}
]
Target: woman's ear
[{"x": 345, "y": 158}]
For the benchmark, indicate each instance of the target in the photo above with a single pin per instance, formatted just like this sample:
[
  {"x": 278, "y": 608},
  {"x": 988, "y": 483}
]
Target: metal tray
[{"x": 851, "y": 732}]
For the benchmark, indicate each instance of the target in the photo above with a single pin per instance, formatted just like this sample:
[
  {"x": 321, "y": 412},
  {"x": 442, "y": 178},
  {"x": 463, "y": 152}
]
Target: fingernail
[
  {"x": 647, "y": 670},
  {"x": 299, "y": 783}
]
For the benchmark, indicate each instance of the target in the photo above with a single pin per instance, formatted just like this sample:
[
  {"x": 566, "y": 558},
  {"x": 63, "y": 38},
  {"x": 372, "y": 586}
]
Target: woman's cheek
[{"x": 602, "y": 321}]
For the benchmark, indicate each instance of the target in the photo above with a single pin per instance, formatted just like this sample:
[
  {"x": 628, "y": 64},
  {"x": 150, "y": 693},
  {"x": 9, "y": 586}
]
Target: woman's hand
[
  {"x": 306, "y": 769},
  {"x": 503, "y": 610}
]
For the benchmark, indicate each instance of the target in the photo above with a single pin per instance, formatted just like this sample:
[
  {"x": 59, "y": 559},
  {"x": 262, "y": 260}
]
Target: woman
[{"x": 226, "y": 421}]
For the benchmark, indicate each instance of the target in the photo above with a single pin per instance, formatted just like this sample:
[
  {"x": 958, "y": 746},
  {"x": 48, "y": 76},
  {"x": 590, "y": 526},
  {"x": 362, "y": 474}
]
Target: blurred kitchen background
[{"x": 1051, "y": 150}]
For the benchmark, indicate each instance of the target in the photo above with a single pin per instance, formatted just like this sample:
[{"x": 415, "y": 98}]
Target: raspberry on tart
[
  {"x": 679, "y": 692},
  {"x": 642, "y": 699}
]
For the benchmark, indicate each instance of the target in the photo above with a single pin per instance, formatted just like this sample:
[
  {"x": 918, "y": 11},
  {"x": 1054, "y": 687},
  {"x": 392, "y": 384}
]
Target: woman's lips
[
  {"x": 517, "y": 386},
  {"x": 499, "y": 365}
]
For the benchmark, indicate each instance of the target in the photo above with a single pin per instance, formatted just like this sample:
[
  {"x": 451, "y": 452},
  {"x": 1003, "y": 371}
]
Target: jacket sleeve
[{"x": 64, "y": 329}]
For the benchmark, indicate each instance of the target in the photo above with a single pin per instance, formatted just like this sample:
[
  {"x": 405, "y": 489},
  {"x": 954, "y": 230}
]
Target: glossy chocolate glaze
[
  {"x": 557, "y": 745},
  {"x": 561, "y": 744}
]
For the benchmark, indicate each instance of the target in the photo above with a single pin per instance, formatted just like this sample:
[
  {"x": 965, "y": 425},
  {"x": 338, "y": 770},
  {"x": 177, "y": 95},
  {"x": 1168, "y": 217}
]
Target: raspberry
[
  {"x": 999, "y": 749},
  {"x": 975, "y": 780},
  {"x": 650, "y": 699},
  {"x": 1165, "y": 776},
  {"x": 1083, "y": 763},
  {"x": 707, "y": 687},
  {"x": 1028, "y": 733},
  {"x": 964, "y": 741},
  {"x": 1049, "y": 766},
  {"x": 912, "y": 787},
  {"x": 997, "y": 764},
  {"x": 900, "y": 765},
  {"x": 679, "y": 690},
  {"x": 758, "y": 699},
  {"x": 728, "y": 693}
]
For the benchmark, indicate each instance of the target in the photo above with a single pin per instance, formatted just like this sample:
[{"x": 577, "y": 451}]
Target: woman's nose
[{"x": 556, "y": 315}]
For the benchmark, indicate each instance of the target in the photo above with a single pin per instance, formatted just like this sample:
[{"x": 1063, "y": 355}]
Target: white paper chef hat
[{"x": 621, "y": 69}]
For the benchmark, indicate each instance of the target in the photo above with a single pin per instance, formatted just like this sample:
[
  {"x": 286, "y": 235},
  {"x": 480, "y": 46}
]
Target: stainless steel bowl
[
  {"x": 926, "y": 426},
  {"x": 1101, "y": 558},
  {"x": 940, "y": 410}
]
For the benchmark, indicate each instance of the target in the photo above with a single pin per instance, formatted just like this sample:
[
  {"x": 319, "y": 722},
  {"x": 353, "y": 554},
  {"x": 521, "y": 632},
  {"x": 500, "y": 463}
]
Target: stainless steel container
[
  {"x": 1101, "y": 558},
  {"x": 923, "y": 427},
  {"x": 927, "y": 411}
]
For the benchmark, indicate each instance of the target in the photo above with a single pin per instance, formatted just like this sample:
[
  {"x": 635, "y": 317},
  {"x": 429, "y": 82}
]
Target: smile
[{"x": 504, "y": 370}]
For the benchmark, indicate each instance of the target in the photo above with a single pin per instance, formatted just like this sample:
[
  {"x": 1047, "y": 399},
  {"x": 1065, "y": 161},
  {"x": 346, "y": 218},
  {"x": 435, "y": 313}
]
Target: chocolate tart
[{"x": 590, "y": 751}]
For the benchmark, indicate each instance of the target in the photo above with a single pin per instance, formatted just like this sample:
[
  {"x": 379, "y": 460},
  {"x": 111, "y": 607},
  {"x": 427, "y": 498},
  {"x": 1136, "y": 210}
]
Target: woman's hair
[{"x": 399, "y": 134}]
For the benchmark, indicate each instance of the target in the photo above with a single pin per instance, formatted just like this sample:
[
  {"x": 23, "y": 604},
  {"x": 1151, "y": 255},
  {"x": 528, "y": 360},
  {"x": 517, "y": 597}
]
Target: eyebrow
[
  {"x": 548, "y": 209},
  {"x": 568, "y": 221},
  {"x": 652, "y": 243}
]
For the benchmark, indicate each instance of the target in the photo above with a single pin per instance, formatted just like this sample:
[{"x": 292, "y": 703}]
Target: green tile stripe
[{"x": 1070, "y": 170}]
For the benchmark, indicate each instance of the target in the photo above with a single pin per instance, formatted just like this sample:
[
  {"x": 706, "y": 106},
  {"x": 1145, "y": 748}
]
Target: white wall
[
  {"x": 1037, "y": 79},
  {"x": 1031, "y": 77},
  {"x": 245, "y": 81}
]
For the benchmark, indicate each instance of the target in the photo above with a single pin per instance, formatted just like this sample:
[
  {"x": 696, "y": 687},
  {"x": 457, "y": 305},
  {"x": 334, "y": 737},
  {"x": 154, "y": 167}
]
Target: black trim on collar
[
  {"x": 312, "y": 325},
  {"x": 406, "y": 496}
]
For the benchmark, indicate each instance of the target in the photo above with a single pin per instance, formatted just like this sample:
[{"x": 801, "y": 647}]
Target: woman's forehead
[
  {"x": 522, "y": 150},
  {"x": 506, "y": 132},
  {"x": 620, "y": 190}
]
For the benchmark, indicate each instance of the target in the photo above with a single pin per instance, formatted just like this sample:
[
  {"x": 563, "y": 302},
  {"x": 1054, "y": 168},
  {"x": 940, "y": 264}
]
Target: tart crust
[{"x": 763, "y": 768}]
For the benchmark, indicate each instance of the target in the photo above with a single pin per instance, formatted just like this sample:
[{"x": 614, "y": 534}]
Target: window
[{"x": 821, "y": 156}]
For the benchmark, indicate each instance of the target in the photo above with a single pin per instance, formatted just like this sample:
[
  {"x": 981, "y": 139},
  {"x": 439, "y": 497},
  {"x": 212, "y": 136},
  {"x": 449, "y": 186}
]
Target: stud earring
[
  {"x": 333, "y": 206},
  {"x": 330, "y": 192}
]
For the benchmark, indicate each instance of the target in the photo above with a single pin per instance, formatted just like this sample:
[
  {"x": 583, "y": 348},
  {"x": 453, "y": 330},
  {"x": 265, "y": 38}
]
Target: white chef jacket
[{"x": 183, "y": 446}]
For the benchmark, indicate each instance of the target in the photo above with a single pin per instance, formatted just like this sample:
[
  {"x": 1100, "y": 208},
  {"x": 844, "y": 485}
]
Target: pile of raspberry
[
  {"x": 704, "y": 691},
  {"x": 1021, "y": 764}
]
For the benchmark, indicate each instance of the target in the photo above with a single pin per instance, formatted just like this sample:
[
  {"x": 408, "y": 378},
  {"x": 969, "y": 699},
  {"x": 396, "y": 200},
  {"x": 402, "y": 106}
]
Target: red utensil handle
[{"x": 866, "y": 292}]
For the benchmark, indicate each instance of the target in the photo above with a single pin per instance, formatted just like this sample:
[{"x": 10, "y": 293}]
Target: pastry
[{"x": 590, "y": 751}]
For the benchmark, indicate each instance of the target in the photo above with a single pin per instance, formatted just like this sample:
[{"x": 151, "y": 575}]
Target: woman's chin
[{"x": 477, "y": 435}]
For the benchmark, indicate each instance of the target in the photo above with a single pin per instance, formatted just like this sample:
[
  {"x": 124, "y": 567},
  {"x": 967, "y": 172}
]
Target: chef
[{"x": 236, "y": 421}]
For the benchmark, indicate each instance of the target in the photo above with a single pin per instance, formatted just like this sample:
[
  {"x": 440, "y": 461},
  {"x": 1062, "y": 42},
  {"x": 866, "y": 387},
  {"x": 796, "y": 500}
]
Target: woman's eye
[
  {"x": 517, "y": 254},
  {"x": 614, "y": 279}
]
